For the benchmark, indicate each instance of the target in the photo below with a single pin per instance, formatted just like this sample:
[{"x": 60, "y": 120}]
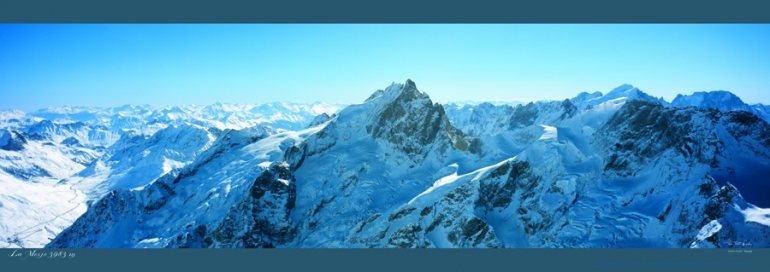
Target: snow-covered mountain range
[
  {"x": 80, "y": 153},
  {"x": 623, "y": 169}
]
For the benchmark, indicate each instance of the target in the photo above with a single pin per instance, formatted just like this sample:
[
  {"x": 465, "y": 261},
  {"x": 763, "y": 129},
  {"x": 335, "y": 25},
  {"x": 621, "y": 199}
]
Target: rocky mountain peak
[
  {"x": 410, "y": 85},
  {"x": 411, "y": 120},
  {"x": 12, "y": 141}
]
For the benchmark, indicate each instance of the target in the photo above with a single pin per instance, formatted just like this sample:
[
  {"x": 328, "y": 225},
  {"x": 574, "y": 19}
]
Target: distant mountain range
[{"x": 622, "y": 169}]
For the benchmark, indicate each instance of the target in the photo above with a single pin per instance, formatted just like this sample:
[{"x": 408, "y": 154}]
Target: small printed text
[{"x": 40, "y": 254}]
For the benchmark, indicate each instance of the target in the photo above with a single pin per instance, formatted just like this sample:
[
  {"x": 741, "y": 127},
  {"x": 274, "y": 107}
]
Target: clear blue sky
[{"x": 113, "y": 65}]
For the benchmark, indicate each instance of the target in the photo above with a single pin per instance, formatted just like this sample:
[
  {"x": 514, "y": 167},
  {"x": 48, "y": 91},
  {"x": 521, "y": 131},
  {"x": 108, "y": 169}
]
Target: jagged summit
[
  {"x": 400, "y": 117},
  {"x": 409, "y": 85},
  {"x": 408, "y": 117},
  {"x": 407, "y": 89}
]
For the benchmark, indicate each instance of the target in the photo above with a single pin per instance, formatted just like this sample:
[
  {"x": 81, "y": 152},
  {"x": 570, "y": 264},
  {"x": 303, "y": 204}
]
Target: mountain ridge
[
  {"x": 391, "y": 172},
  {"x": 623, "y": 169}
]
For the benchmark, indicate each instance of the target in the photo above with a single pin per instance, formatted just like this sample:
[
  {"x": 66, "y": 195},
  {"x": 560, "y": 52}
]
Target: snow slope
[
  {"x": 184, "y": 200},
  {"x": 136, "y": 160},
  {"x": 34, "y": 213}
]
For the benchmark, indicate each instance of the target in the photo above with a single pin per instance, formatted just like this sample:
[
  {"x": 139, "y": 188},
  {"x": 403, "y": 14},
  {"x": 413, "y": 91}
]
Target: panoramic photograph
[{"x": 384, "y": 136}]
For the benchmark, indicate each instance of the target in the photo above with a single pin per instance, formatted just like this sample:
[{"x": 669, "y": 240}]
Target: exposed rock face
[
  {"x": 448, "y": 222},
  {"x": 500, "y": 187},
  {"x": 12, "y": 141},
  {"x": 413, "y": 123},
  {"x": 644, "y": 131},
  {"x": 264, "y": 213},
  {"x": 136, "y": 217},
  {"x": 119, "y": 211}
]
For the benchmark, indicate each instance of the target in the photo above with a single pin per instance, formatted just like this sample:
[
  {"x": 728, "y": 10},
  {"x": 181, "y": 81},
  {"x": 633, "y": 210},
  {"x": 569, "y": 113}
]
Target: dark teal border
[
  {"x": 384, "y": 11},
  {"x": 381, "y": 11},
  {"x": 423, "y": 260}
]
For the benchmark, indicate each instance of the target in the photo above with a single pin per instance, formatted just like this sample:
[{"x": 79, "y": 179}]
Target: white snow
[
  {"x": 33, "y": 213},
  {"x": 758, "y": 215},
  {"x": 549, "y": 134},
  {"x": 708, "y": 230},
  {"x": 450, "y": 182}
]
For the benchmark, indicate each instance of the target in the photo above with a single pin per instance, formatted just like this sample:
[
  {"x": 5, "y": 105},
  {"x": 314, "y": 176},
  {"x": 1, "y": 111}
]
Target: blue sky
[{"x": 113, "y": 65}]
